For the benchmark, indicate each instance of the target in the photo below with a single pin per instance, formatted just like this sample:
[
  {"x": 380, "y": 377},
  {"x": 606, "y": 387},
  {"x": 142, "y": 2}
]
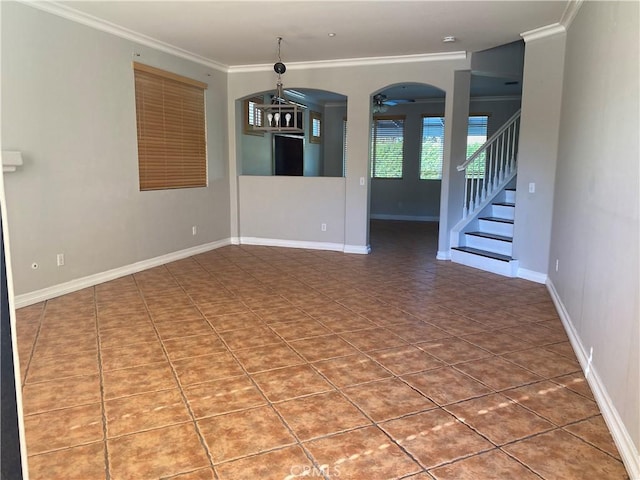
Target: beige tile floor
[{"x": 270, "y": 363}]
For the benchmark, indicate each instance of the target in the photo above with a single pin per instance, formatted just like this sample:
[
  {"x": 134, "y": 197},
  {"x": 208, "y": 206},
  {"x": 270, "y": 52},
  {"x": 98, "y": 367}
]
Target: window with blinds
[
  {"x": 253, "y": 116},
  {"x": 315, "y": 130},
  {"x": 476, "y": 136},
  {"x": 432, "y": 147},
  {"x": 387, "y": 146},
  {"x": 171, "y": 129}
]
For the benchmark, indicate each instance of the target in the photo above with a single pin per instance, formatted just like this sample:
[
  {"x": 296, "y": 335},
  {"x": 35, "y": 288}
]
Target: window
[
  {"x": 315, "y": 132},
  {"x": 387, "y": 147},
  {"x": 432, "y": 148},
  {"x": 252, "y": 116},
  {"x": 476, "y": 136},
  {"x": 171, "y": 130}
]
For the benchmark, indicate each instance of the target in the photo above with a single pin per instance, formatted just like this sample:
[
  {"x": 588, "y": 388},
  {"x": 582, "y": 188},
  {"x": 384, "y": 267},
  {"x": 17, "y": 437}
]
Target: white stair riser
[
  {"x": 498, "y": 228},
  {"x": 502, "y": 211},
  {"x": 510, "y": 196},
  {"x": 489, "y": 244},
  {"x": 508, "y": 269}
]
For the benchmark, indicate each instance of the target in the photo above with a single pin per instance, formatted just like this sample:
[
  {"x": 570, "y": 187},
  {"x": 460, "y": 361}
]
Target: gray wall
[
  {"x": 68, "y": 106},
  {"x": 295, "y": 212},
  {"x": 595, "y": 234},
  {"x": 537, "y": 151},
  {"x": 332, "y": 138},
  {"x": 409, "y": 197}
]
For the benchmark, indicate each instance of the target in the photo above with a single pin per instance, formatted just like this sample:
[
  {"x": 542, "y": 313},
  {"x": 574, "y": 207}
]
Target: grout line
[
  {"x": 33, "y": 346},
  {"x": 102, "y": 394},
  {"x": 201, "y": 438}
]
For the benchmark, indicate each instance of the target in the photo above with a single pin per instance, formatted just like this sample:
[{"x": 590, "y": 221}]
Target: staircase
[
  {"x": 488, "y": 244},
  {"x": 483, "y": 238}
]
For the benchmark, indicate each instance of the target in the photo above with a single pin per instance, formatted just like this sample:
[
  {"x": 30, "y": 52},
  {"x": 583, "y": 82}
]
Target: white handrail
[
  {"x": 484, "y": 146},
  {"x": 500, "y": 156}
]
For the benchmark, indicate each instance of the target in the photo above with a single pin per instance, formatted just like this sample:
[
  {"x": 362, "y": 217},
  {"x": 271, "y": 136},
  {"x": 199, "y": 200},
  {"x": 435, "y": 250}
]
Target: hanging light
[{"x": 281, "y": 115}]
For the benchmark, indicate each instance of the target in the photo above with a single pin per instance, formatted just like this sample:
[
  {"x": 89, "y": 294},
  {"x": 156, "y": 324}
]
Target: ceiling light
[
  {"x": 331, "y": 34},
  {"x": 449, "y": 39},
  {"x": 280, "y": 115}
]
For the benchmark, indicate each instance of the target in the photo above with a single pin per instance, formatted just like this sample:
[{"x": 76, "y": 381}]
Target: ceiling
[{"x": 240, "y": 33}]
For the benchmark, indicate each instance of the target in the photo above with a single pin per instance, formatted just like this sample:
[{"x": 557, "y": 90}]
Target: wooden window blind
[
  {"x": 171, "y": 129},
  {"x": 387, "y": 146}
]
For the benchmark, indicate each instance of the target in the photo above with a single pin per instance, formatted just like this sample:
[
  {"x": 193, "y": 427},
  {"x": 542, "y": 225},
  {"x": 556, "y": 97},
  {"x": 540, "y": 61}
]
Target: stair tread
[
  {"x": 505, "y": 204},
  {"x": 484, "y": 253},
  {"x": 497, "y": 219},
  {"x": 493, "y": 236}
]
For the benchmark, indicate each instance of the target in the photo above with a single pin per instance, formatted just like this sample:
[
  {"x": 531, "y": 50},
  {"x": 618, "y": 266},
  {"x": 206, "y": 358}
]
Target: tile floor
[{"x": 270, "y": 363}]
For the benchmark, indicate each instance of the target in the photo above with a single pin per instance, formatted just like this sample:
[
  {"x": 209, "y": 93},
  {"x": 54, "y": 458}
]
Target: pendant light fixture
[{"x": 281, "y": 115}]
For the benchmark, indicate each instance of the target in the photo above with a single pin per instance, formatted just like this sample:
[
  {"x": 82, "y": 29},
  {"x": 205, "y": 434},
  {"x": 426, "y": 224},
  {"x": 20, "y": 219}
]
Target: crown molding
[
  {"x": 570, "y": 12},
  {"x": 70, "y": 13},
  {"x": 355, "y": 62},
  {"x": 108, "y": 27},
  {"x": 543, "y": 32}
]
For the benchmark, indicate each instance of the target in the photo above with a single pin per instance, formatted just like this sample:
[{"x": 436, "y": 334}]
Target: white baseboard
[
  {"x": 443, "y": 255},
  {"x": 406, "y": 218},
  {"x": 30, "y": 298},
  {"x": 358, "y": 249},
  {"x": 628, "y": 451},
  {"x": 275, "y": 242},
  {"x": 234, "y": 240},
  {"x": 532, "y": 275}
]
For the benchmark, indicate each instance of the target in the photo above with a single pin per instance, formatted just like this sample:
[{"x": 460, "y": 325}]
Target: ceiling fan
[{"x": 381, "y": 103}]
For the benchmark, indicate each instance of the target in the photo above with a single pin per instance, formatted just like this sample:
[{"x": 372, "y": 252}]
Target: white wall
[
  {"x": 595, "y": 233},
  {"x": 68, "y": 106}
]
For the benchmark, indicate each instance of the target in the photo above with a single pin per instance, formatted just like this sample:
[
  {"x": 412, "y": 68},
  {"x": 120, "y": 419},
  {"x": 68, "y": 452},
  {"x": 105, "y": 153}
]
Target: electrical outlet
[
  {"x": 323, "y": 227},
  {"x": 60, "y": 259},
  {"x": 194, "y": 230},
  {"x": 532, "y": 187},
  {"x": 362, "y": 181}
]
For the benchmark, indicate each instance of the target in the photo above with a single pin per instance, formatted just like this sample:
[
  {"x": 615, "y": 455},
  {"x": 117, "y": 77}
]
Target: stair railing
[{"x": 490, "y": 165}]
